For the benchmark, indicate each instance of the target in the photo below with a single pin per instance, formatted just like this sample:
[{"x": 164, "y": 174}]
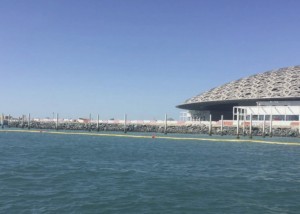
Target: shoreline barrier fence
[
  {"x": 226, "y": 123},
  {"x": 266, "y": 124}
]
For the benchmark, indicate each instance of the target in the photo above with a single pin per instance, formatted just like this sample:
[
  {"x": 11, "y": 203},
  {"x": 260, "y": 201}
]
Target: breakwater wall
[{"x": 157, "y": 128}]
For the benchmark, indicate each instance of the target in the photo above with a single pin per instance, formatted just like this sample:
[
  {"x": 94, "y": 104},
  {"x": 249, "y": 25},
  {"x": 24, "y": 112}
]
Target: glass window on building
[
  {"x": 278, "y": 117},
  {"x": 292, "y": 117}
]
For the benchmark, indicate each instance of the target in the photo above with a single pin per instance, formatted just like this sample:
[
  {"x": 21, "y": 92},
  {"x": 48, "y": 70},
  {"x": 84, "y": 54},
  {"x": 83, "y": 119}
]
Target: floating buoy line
[{"x": 156, "y": 137}]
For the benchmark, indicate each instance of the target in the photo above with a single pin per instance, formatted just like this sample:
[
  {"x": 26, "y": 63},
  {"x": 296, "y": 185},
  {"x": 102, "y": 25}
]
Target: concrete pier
[
  {"x": 98, "y": 123},
  {"x": 264, "y": 127},
  {"x": 238, "y": 126},
  {"x": 244, "y": 121},
  {"x": 222, "y": 124},
  {"x": 90, "y": 123},
  {"x": 125, "y": 125},
  {"x": 166, "y": 124},
  {"x": 271, "y": 126},
  {"x": 250, "y": 127},
  {"x": 56, "y": 123},
  {"x": 29, "y": 121},
  {"x": 210, "y": 126},
  {"x": 23, "y": 121},
  {"x": 8, "y": 121}
]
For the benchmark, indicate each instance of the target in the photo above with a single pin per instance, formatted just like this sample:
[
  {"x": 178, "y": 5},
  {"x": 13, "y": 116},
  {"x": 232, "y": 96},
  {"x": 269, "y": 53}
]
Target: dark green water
[{"x": 43, "y": 173}]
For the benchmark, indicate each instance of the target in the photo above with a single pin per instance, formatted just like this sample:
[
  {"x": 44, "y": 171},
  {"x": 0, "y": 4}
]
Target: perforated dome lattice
[{"x": 279, "y": 83}]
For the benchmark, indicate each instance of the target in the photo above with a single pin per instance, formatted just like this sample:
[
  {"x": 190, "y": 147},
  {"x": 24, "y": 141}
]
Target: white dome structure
[{"x": 276, "y": 85}]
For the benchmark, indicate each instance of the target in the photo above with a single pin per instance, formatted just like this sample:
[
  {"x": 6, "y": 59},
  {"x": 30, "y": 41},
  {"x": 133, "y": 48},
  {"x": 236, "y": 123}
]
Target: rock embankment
[{"x": 180, "y": 129}]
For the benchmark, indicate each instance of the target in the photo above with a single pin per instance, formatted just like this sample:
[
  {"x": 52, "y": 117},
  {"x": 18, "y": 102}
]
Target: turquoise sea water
[{"x": 47, "y": 173}]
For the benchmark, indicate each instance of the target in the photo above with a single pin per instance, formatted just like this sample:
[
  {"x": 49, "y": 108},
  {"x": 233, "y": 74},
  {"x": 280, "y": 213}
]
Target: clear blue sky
[{"x": 142, "y": 57}]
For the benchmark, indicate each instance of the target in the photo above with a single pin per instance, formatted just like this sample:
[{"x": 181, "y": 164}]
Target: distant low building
[
  {"x": 83, "y": 120},
  {"x": 185, "y": 116}
]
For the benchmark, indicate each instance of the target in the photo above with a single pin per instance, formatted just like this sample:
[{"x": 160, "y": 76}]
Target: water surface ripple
[{"x": 42, "y": 173}]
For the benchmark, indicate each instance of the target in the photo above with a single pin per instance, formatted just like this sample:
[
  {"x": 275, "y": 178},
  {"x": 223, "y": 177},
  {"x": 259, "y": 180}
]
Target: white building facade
[{"x": 276, "y": 111}]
